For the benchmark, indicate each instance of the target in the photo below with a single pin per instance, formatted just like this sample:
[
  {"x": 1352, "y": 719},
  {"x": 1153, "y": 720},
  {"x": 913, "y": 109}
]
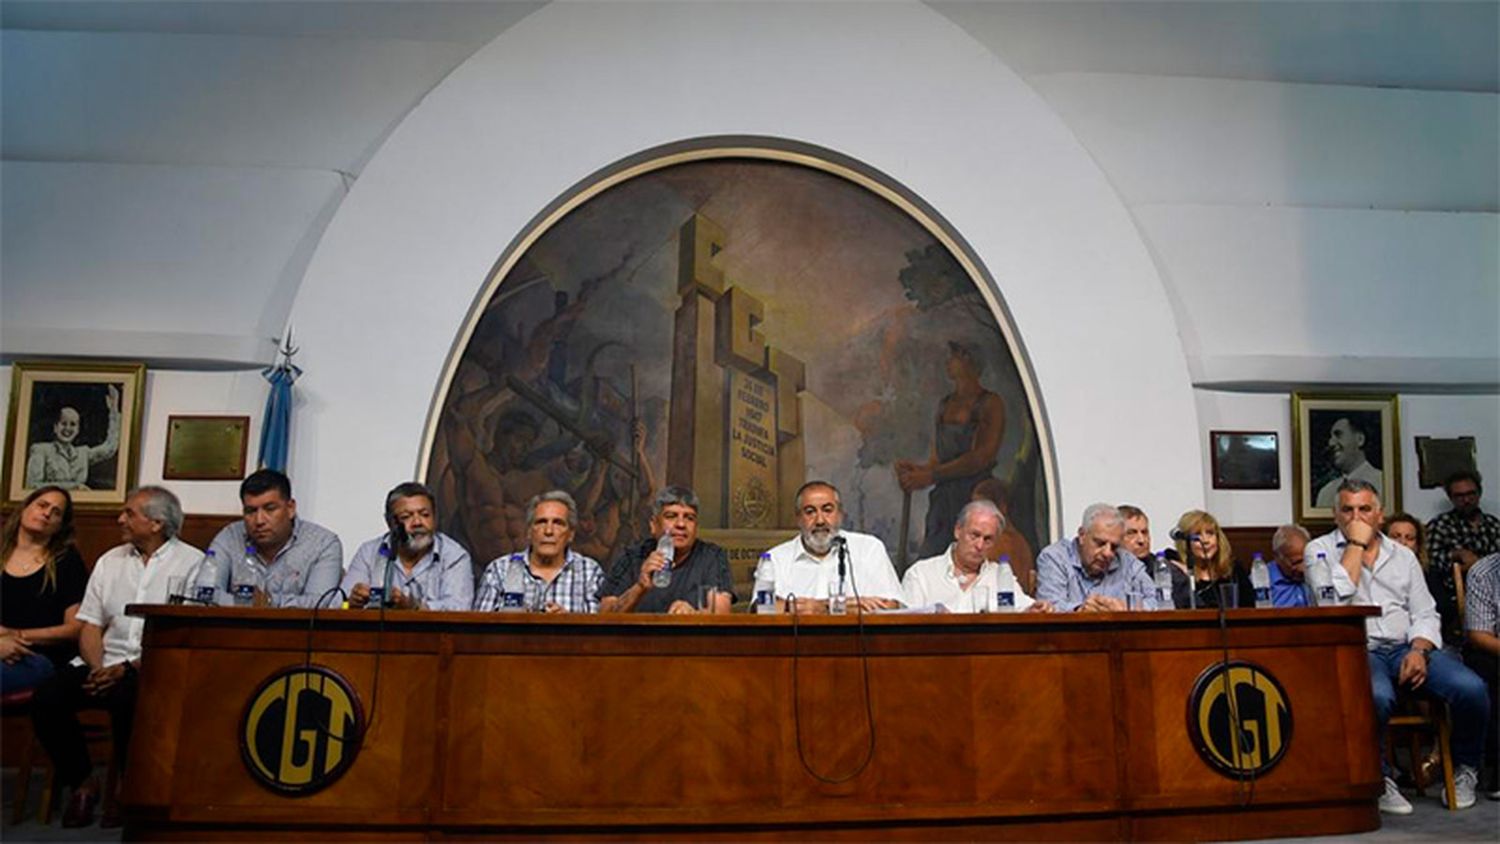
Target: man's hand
[
  {"x": 869, "y": 604},
  {"x": 1041, "y": 606},
  {"x": 1359, "y": 533},
  {"x": 101, "y": 679},
  {"x": 1464, "y": 557},
  {"x": 1102, "y": 603},
  {"x": 681, "y": 608},
  {"x": 553, "y": 607},
  {"x": 404, "y": 600},
  {"x": 653, "y": 563},
  {"x": 359, "y": 596},
  {"x": 1413, "y": 669}
]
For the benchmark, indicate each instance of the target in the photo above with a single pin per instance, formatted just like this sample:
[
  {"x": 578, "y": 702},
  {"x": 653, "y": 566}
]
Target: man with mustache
[
  {"x": 296, "y": 562},
  {"x": 416, "y": 566},
  {"x": 806, "y": 567},
  {"x": 1346, "y": 450}
]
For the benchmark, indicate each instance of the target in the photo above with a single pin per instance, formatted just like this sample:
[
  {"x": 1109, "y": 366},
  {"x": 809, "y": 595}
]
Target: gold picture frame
[
  {"x": 1343, "y": 435},
  {"x": 93, "y": 451}
]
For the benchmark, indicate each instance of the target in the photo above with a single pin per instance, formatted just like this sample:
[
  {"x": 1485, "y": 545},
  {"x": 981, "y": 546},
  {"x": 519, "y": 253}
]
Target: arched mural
[{"x": 737, "y": 324}]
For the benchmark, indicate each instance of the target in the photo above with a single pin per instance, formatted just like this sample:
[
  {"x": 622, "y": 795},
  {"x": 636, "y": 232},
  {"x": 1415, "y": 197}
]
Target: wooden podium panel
[{"x": 524, "y": 726}]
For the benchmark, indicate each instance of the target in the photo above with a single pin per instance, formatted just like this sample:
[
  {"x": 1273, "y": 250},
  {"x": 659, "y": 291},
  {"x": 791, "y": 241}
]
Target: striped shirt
[
  {"x": 575, "y": 588},
  {"x": 1482, "y": 597}
]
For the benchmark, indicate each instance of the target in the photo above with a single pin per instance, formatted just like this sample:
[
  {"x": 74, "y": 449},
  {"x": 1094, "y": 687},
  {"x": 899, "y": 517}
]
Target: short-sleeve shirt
[
  {"x": 27, "y": 603},
  {"x": 706, "y": 565},
  {"x": 123, "y": 577}
]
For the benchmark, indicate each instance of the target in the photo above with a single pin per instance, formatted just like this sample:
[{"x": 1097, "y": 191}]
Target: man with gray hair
[
  {"x": 552, "y": 576},
  {"x": 962, "y": 579},
  {"x": 136, "y": 572},
  {"x": 1093, "y": 572},
  {"x": 700, "y": 580},
  {"x": 413, "y": 564},
  {"x": 1405, "y": 640},
  {"x": 1289, "y": 575}
]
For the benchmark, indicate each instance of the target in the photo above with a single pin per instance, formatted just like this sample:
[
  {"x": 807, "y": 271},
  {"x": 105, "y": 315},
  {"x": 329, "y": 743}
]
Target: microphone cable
[{"x": 1245, "y": 782}]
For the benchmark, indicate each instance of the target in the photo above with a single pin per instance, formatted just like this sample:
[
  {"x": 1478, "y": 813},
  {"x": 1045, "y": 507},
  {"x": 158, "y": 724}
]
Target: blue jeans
[
  {"x": 28, "y": 672},
  {"x": 1448, "y": 680}
]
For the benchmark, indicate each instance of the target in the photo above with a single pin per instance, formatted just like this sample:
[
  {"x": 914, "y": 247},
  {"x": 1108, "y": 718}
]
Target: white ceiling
[{"x": 266, "y": 113}]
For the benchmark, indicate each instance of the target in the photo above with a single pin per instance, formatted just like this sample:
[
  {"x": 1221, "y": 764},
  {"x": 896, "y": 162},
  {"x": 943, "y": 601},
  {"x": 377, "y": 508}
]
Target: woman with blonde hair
[
  {"x": 41, "y": 589},
  {"x": 1207, "y": 562}
]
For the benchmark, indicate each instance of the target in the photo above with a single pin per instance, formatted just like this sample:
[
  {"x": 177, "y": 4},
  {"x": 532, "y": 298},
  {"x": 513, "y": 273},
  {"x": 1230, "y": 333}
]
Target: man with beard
[
  {"x": 806, "y": 567},
  {"x": 291, "y": 562},
  {"x": 1458, "y": 538},
  {"x": 1289, "y": 574},
  {"x": 1346, "y": 450},
  {"x": 434, "y": 571}
]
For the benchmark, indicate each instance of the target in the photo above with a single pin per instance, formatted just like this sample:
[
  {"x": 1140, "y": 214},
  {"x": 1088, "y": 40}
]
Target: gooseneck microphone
[
  {"x": 841, "y": 545},
  {"x": 1192, "y": 564}
]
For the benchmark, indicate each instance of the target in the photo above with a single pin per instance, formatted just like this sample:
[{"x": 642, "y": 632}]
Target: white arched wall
[{"x": 575, "y": 87}]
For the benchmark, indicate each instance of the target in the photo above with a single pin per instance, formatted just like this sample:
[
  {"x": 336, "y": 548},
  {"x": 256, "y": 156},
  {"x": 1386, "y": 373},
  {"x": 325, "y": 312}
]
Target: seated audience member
[
  {"x": 290, "y": 561},
  {"x": 1011, "y": 543},
  {"x": 1369, "y": 569},
  {"x": 1404, "y": 529},
  {"x": 695, "y": 563},
  {"x": 43, "y": 584},
  {"x": 1212, "y": 564},
  {"x": 806, "y": 566},
  {"x": 554, "y": 578},
  {"x": 949, "y": 578},
  {"x": 1457, "y": 539},
  {"x": 1288, "y": 567},
  {"x": 1092, "y": 571},
  {"x": 1138, "y": 535},
  {"x": 136, "y": 572},
  {"x": 1482, "y": 651},
  {"x": 417, "y": 566}
]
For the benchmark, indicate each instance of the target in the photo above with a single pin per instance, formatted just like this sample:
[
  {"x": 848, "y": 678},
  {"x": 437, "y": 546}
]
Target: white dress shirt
[
  {"x": 799, "y": 573},
  {"x": 1395, "y": 584},
  {"x": 122, "y": 576},
  {"x": 935, "y": 581}
]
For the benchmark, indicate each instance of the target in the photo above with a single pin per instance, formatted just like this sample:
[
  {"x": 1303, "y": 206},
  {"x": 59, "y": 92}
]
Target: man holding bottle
[{"x": 674, "y": 571}]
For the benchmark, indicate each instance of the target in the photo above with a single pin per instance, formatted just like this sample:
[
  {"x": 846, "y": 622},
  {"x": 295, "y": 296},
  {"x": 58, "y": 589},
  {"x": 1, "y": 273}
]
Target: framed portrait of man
[
  {"x": 77, "y": 426},
  {"x": 1338, "y": 437}
]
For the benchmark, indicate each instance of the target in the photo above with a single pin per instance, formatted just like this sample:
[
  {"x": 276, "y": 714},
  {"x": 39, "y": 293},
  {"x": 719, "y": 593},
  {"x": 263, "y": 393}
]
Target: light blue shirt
[
  {"x": 1286, "y": 592},
  {"x": 1061, "y": 578},
  {"x": 445, "y": 573},
  {"x": 304, "y": 570}
]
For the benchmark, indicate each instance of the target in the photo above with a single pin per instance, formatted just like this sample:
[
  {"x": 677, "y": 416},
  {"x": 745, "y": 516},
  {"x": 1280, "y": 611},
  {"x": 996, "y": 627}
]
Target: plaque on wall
[
  {"x": 206, "y": 448},
  {"x": 1439, "y": 457}
]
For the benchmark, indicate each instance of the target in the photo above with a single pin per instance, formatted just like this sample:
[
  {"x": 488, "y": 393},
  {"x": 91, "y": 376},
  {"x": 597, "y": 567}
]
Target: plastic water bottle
[
  {"x": 247, "y": 579},
  {"x": 1260, "y": 578},
  {"x": 662, "y": 577},
  {"x": 207, "y": 584},
  {"x": 1320, "y": 578},
  {"x": 1005, "y": 586},
  {"x": 765, "y": 585},
  {"x": 1163, "y": 579},
  {"x": 513, "y": 587}
]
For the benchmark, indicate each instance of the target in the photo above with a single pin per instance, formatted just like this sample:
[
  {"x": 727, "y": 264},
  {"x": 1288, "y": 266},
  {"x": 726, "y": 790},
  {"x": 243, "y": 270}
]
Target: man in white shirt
[
  {"x": 951, "y": 578},
  {"x": 1404, "y": 641},
  {"x": 806, "y": 566},
  {"x": 110, "y": 644}
]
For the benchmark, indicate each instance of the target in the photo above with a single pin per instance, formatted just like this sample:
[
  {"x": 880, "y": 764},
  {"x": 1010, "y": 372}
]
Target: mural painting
[{"x": 738, "y": 326}]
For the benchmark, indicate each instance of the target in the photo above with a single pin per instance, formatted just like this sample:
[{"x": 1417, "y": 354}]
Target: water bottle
[
  {"x": 207, "y": 584},
  {"x": 1320, "y": 578},
  {"x": 1260, "y": 578},
  {"x": 1163, "y": 580},
  {"x": 247, "y": 579},
  {"x": 662, "y": 577},
  {"x": 765, "y": 585},
  {"x": 1005, "y": 586},
  {"x": 513, "y": 587}
]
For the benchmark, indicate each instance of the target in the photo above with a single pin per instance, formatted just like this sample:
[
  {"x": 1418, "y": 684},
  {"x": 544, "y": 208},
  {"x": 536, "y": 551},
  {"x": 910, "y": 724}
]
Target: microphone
[
  {"x": 841, "y": 545},
  {"x": 1182, "y": 536}
]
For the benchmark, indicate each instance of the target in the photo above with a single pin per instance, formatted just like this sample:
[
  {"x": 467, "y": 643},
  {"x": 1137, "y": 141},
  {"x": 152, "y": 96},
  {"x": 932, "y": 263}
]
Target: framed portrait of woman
[{"x": 77, "y": 426}]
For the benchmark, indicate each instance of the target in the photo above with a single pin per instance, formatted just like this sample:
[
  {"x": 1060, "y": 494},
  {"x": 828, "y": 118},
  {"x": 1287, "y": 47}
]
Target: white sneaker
[
  {"x": 1391, "y": 802},
  {"x": 1465, "y": 780}
]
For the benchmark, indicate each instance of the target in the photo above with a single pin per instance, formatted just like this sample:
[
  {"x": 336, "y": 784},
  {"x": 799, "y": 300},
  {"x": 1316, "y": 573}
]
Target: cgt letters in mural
[{"x": 738, "y": 326}]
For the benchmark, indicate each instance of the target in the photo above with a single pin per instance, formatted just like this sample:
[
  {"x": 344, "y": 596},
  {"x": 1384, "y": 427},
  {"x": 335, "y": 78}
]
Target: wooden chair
[
  {"x": 1417, "y": 716},
  {"x": 16, "y": 708}
]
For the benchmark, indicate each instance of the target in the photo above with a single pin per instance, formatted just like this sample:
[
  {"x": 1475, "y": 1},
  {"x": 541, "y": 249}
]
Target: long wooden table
[{"x": 497, "y": 725}]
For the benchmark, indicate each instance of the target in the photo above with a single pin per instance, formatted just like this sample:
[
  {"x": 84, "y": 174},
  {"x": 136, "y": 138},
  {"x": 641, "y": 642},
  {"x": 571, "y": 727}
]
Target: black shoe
[{"x": 80, "y": 809}]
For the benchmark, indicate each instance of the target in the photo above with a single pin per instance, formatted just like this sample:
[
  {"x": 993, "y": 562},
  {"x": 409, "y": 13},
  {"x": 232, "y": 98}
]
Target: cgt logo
[
  {"x": 1247, "y": 693},
  {"x": 301, "y": 730}
]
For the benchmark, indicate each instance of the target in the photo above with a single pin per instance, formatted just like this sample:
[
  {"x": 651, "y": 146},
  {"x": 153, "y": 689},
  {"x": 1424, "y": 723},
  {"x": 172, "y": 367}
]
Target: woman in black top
[
  {"x": 41, "y": 589},
  {"x": 1213, "y": 561}
]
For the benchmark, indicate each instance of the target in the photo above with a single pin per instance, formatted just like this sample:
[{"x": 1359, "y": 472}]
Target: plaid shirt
[
  {"x": 1450, "y": 531},
  {"x": 1483, "y": 596},
  {"x": 575, "y": 588}
]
